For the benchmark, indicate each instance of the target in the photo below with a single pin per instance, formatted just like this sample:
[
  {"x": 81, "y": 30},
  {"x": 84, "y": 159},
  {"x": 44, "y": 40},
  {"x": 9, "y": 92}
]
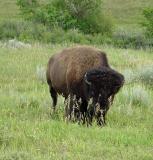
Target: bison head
[{"x": 102, "y": 84}]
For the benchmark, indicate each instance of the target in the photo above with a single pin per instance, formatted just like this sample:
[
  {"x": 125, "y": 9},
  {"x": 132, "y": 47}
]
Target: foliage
[
  {"x": 142, "y": 74},
  {"x": 146, "y": 74},
  {"x": 137, "y": 96},
  {"x": 28, "y": 8},
  {"x": 148, "y": 14},
  {"x": 130, "y": 39},
  {"x": 129, "y": 76},
  {"x": 86, "y": 15},
  {"x": 22, "y": 30},
  {"x": 28, "y": 31}
]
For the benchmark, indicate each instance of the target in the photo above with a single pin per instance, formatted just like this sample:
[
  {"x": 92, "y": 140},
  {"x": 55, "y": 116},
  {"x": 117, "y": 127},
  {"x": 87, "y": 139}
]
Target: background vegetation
[{"x": 122, "y": 25}]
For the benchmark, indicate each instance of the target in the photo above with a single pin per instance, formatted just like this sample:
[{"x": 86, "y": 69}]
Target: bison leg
[
  {"x": 83, "y": 111},
  {"x": 100, "y": 119},
  {"x": 75, "y": 109},
  {"x": 90, "y": 114},
  {"x": 69, "y": 107},
  {"x": 100, "y": 115},
  {"x": 53, "y": 94}
]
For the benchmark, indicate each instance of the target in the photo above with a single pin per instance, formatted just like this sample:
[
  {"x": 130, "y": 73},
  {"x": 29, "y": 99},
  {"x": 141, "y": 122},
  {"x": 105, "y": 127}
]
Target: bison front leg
[
  {"x": 69, "y": 108},
  {"x": 100, "y": 115},
  {"x": 90, "y": 112},
  {"x": 83, "y": 111}
]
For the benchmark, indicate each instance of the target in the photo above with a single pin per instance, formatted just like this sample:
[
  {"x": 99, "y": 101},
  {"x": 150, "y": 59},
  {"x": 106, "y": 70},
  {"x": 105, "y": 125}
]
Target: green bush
[
  {"x": 10, "y": 29},
  {"x": 28, "y": 8},
  {"x": 128, "y": 39},
  {"x": 84, "y": 15},
  {"x": 137, "y": 95},
  {"x": 148, "y": 24},
  {"x": 23, "y": 30},
  {"x": 146, "y": 74}
]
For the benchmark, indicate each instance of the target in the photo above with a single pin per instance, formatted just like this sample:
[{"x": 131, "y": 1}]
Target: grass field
[
  {"x": 127, "y": 13},
  {"x": 29, "y": 132},
  {"x": 8, "y": 10}
]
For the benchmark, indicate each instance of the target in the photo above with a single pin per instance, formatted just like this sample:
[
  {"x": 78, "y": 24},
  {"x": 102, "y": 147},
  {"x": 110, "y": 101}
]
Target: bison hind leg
[{"x": 53, "y": 94}]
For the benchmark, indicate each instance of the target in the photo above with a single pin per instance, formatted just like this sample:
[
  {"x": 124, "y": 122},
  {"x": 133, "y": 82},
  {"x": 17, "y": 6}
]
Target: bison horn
[{"x": 85, "y": 78}]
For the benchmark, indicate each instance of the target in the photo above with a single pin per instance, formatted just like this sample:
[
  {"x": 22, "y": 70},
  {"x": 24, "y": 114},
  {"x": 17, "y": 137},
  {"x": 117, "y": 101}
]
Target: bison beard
[{"x": 82, "y": 74}]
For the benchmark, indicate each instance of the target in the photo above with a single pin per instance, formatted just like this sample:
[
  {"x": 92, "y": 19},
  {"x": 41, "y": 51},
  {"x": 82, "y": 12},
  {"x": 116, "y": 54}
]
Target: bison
[{"x": 79, "y": 74}]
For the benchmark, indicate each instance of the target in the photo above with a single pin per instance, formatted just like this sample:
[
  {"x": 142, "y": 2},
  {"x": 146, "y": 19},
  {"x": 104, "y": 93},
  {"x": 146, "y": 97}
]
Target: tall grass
[{"x": 28, "y": 130}]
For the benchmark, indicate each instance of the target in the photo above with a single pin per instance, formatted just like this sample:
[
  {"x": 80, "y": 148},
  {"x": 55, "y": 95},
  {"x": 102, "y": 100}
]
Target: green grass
[
  {"x": 127, "y": 13},
  {"x": 8, "y": 10},
  {"x": 28, "y": 132}
]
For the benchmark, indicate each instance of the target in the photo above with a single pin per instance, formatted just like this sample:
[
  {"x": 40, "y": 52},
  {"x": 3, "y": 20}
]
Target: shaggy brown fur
[{"x": 66, "y": 69}]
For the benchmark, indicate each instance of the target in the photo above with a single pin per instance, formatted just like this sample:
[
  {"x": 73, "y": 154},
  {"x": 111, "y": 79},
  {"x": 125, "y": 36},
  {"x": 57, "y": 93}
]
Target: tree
[{"x": 85, "y": 15}]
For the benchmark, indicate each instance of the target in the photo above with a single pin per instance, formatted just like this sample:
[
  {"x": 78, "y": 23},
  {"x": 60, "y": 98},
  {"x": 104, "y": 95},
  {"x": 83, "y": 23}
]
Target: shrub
[
  {"x": 129, "y": 75},
  {"x": 28, "y": 8},
  {"x": 85, "y": 15},
  {"x": 13, "y": 43},
  {"x": 146, "y": 74},
  {"x": 148, "y": 24},
  {"x": 130, "y": 39},
  {"x": 137, "y": 96},
  {"x": 10, "y": 29},
  {"x": 22, "y": 30},
  {"x": 41, "y": 74}
]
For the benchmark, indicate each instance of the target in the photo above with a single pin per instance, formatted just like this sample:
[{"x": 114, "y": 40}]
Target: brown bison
[{"x": 83, "y": 73}]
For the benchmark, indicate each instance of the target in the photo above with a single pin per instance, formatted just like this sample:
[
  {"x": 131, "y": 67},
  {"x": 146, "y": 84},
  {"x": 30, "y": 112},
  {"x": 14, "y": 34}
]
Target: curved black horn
[{"x": 85, "y": 78}]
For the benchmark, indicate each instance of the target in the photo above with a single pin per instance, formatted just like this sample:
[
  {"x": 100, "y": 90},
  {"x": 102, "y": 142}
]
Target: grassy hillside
[
  {"x": 127, "y": 13},
  {"x": 8, "y": 10},
  {"x": 29, "y": 132}
]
